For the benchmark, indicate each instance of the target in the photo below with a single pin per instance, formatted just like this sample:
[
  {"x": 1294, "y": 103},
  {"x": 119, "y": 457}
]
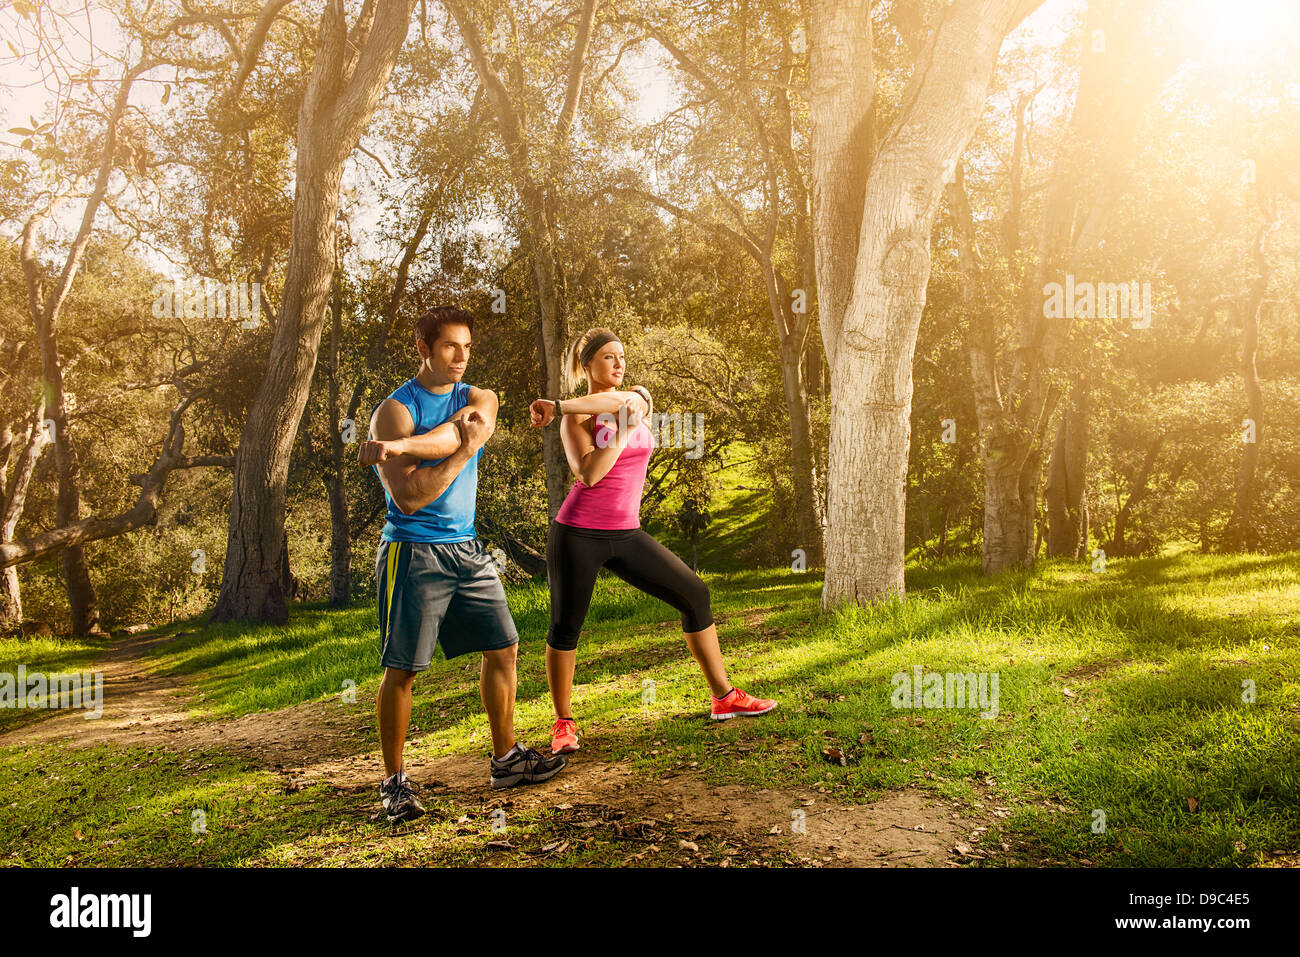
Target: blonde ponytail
[{"x": 573, "y": 373}]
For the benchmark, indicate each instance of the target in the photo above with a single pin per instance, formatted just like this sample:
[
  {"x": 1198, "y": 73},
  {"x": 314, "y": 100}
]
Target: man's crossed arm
[{"x": 397, "y": 452}]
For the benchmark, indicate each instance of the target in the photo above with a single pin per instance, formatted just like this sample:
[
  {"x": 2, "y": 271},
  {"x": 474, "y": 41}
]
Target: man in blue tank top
[{"x": 437, "y": 585}]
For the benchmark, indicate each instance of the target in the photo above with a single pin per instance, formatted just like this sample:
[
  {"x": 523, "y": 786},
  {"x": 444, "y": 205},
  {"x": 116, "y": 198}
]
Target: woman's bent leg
[
  {"x": 572, "y": 563},
  {"x": 643, "y": 562}
]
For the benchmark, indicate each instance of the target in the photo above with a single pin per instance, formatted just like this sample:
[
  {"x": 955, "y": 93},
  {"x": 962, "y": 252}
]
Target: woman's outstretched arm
[{"x": 542, "y": 411}]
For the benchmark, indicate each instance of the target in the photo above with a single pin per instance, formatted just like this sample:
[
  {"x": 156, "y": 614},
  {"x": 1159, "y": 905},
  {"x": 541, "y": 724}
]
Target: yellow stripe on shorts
[{"x": 394, "y": 550}]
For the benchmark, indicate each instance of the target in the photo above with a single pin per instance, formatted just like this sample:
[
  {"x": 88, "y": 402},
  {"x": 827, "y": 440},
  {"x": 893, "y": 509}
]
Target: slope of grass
[
  {"x": 1123, "y": 697},
  {"x": 51, "y": 657},
  {"x": 741, "y": 514}
]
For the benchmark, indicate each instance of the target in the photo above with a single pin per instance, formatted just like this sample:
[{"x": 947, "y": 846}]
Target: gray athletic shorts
[{"x": 439, "y": 593}]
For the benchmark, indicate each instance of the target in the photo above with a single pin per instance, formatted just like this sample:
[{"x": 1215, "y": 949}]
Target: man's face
[{"x": 447, "y": 357}]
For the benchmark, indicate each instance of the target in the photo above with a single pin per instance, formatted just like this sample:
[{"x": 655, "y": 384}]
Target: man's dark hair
[{"x": 429, "y": 326}]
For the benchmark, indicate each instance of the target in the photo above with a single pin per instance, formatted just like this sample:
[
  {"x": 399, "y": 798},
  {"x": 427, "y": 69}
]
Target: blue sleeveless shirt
[{"x": 450, "y": 517}]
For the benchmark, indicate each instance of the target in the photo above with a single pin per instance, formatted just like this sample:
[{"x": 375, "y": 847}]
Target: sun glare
[{"x": 1242, "y": 29}]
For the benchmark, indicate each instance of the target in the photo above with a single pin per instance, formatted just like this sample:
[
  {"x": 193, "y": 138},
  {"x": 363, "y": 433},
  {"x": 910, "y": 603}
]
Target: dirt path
[{"x": 321, "y": 742}]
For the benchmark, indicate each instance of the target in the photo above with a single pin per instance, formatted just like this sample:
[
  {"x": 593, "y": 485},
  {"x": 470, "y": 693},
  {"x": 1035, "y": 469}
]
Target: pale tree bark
[
  {"x": 537, "y": 187},
  {"x": 348, "y": 77},
  {"x": 871, "y": 343},
  {"x": 13, "y": 496}
]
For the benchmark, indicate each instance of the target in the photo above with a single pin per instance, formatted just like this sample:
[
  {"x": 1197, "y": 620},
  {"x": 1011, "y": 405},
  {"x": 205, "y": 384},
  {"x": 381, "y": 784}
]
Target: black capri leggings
[{"x": 575, "y": 555}]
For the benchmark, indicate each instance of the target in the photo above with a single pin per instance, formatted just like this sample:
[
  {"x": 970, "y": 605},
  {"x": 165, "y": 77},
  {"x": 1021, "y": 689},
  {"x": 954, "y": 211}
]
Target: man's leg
[
  {"x": 478, "y": 620},
  {"x": 496, "y": 685},
  {"x": 394, "y": 702}
]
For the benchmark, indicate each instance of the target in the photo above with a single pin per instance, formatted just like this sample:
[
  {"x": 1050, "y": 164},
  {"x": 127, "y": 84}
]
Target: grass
[
  {"x": 50, "y": 656},
  {"x": 179, "y": 810},
  {"x": 1119, "y": 693}
]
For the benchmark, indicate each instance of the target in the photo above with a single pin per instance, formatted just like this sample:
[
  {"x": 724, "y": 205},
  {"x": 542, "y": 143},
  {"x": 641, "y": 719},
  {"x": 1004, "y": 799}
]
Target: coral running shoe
[
  {"x": 737, "y": 702},
  {"x": 564, "y": 737}
]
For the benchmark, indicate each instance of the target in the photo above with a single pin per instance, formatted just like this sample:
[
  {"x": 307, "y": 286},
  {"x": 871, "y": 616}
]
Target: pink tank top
[{"x": 615, "y": 501}]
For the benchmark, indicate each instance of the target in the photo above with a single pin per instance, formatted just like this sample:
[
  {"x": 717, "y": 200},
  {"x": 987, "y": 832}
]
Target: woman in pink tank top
[{"x": 608, "y": 443}]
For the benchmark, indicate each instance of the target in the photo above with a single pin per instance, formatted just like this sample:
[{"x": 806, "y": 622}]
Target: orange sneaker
[
  {"x": 564, "y": 736},
  {"x": 737, "y": 702}
]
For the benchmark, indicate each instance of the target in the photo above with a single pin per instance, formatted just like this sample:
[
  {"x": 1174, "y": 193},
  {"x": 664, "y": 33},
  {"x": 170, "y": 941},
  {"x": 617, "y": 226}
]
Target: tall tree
[
  {"x": 1017, "y": 394},
  {"x": 776, "y": 236},
  {"x": 348, "y": 77},
  {"x": 46, "y": 296},
  {"x": 872, "y": 220},
  {"x": 538, "y": 159}
]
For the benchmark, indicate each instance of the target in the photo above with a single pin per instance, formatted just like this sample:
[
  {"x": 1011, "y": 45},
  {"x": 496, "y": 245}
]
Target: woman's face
[{"x": 605, "y": 370}]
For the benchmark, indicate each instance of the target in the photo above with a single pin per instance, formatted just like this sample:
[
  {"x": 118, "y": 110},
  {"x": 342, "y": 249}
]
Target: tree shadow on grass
[{"x": 1181, "y": 569}]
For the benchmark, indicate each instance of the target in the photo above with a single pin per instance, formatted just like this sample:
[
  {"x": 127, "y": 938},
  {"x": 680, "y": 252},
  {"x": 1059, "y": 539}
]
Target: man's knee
[
  {"x": 501, "y": 659},
  {"x": 396, "y": 678}
]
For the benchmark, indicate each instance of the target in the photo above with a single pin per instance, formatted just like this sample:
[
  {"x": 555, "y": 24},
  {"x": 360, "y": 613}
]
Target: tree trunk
[
  {"x": 807, "y": 518},
  {"x": 347, "y": 80},
  {"x": 551, "y": 335},
  {"x": 1067, "y": 470},
  {"x": 1243, "y": 535},
  {"x": 83, "y": 609},
  {"x": 14, "y": 498},
  {"x": 340, "y": 539},
  {"x": 871, "y": 345},
  {"x": 252, "y": 583},
  {"x": 1010, "y": 505},
  {"x": 1135, "y": 495}
]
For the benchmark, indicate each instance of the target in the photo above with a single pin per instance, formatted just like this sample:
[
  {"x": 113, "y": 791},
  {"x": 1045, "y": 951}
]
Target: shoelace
[{"x": 403, "y": 789}]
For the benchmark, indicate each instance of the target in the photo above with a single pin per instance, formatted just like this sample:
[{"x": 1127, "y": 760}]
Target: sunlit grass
[
  {"x": 1120, "y": 693},
  {"x": 49, "y": 655}
]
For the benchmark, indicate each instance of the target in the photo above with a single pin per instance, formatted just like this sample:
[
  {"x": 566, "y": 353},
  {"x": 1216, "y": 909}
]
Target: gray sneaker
[
  {"x": 525, "y": 766},
  {"x": 398, "y": 797}
]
